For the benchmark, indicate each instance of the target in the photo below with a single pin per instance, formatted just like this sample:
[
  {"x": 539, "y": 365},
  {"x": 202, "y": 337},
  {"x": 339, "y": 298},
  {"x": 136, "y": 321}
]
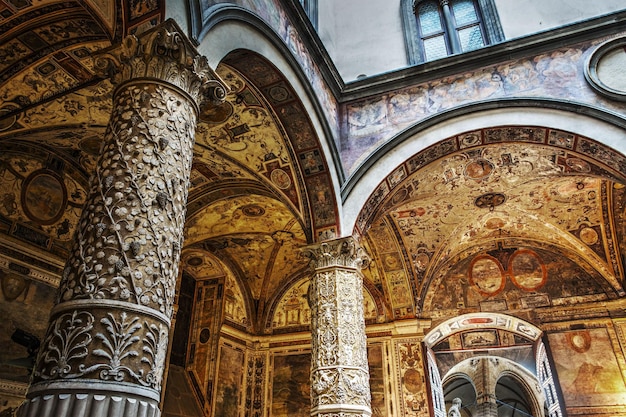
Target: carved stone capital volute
[
  {"x": 163, "y": 54},
  {"x": 344, "y": 252}
]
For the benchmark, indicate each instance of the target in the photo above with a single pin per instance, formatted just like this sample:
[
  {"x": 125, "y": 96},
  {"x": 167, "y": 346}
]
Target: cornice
[{"x": 607, "y": 25}]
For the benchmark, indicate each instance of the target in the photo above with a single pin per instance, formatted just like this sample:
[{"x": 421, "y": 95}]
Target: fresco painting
[
  {"x": 230, "y": 374},
  {"x": 377, "y": 380},
  {"x": 291, "y": 395},
  {"x": 587, "y": 368},
  {"x": 369, "y": 123},
  {"x": 411, "y": 378}
]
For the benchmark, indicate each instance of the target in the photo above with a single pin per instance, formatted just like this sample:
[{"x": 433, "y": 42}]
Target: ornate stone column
[
  {"x": 339, "y": 369},
  {"x": 105, "y": 348}
]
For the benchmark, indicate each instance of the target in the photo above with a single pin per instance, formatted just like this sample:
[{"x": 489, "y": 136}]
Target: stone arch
[
  {"x": 359, "y": 193},
  {"x": 523, "y": 378},
  {"x": 482, "y": 320},
  {"x": 486, "y": 372}
]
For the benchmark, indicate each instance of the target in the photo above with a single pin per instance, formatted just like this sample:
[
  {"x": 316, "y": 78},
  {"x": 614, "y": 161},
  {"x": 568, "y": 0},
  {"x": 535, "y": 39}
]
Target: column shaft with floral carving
[
  {"x": 105, "y": 348},
  {"x": 339, "y": 369}
]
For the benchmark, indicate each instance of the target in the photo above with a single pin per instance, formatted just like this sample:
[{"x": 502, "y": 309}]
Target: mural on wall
[
  {"x": 256, "y": 382},
  {"x": 291, "y": 388},
  {"x": 619, "y": 208},
  {"x": 43, "y": 61},
  {"x": 499, "y": 286},
  {"x": 25, "y": 305},
  {"x": 587, "y": 368},
  {"x": 204, "y": 338},
  {"x": 377, "y": 380},
  {"x": 228, "y": 395},
  {"x": 40, "y": 199},
  {"x": 557, "y": 74},
  {"x": 410, "y": 378},
  {"x": 234, "y": 307},
  {"x": 289, "y": 156}
]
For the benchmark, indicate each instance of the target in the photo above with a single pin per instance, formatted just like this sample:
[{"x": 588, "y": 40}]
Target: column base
[
  {"x": 341, "y": 410},
  {"x": 88, "y": 403}
]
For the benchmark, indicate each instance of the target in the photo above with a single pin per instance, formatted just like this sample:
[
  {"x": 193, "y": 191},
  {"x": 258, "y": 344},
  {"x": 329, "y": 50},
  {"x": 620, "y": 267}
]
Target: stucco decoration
[
  {"x": 339, "y": 368},
  {"x": 114, "y": 304}
]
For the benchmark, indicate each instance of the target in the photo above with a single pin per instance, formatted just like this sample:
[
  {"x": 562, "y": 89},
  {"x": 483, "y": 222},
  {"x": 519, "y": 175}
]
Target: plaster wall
[
  {"x": 352, "y": 33},
  {"x": 179, "y": 11},
  {"x": 532, "y": 16},
  {"x": 352, "y": 30}
]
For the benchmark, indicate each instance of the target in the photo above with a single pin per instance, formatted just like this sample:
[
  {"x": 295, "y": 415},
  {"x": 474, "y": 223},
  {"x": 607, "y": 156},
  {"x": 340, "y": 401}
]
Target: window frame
[
  {"x": 489, "y": 25},
  {"x": 310, "y": 8}
]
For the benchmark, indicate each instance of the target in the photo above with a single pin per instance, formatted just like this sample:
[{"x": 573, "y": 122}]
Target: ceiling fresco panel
[
  {"x": 440, "y": 214},
  {"x": 303, "y": 144}
]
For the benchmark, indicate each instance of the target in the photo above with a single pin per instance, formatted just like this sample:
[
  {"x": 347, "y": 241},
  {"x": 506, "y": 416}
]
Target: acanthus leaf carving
[
  {"x": 67, "y": 342},
  {"x": 339, "y": 368},
  {"x": 155, "y": 348},
  {"x": 117, "y": 348},
  {"x": 165, "y": 54},
  {"x": 340, "y": 252}
]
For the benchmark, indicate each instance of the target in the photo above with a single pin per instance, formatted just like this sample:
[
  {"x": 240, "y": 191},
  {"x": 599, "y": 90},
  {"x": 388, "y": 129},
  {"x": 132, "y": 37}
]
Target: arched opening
[
  {"x": 462, "y": 388},
  {"x": 512, "y": 398},
  {"x": 485, "y": 377}
]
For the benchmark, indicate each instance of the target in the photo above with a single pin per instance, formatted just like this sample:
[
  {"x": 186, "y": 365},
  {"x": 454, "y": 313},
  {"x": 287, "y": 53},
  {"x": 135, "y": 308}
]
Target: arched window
[
  {"x": 437, "y": 28},
  {"x": 436, "y": 389},
  {"x": 546, "y": 379}
]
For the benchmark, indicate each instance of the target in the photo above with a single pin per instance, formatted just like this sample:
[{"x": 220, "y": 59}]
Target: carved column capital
[
  {"x": 344, "y": 252},
  {"x": 163, "y": 54}
]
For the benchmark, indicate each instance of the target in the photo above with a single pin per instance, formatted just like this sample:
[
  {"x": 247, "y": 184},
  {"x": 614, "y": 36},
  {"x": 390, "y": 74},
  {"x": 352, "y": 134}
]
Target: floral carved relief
[
  {"x": 122, "y": 349},
  {"x": 340, "y": 375},
  {"x": 129, "y": 238}
]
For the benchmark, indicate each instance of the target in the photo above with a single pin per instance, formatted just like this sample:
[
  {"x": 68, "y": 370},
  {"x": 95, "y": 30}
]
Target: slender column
[
  {"x": 339, "y": 369},
  {"x": 452, "y": 36},
  {"x": 105, "y": 348}
]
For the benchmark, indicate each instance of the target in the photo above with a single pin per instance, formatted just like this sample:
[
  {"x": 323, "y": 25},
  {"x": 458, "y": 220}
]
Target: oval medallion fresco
[
  {"x": 589, "y": 236},
  {"x": 527, "y": 270},
  {"x": 44, "y": 197},
  {"x": 479, "y": 169},
  {"x": 487, "y": 275},
  {"x": 280, "y": 178}
]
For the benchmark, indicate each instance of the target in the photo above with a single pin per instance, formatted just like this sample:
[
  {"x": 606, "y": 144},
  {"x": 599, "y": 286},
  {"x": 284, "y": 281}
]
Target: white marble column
[
  {"x": 339, "y": 369},
  {"x": 105, "y": 348}
]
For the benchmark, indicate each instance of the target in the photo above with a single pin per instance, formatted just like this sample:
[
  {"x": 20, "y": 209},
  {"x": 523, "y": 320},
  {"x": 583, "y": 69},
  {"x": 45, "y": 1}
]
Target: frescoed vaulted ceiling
[{"x": 506, "y": 218}]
